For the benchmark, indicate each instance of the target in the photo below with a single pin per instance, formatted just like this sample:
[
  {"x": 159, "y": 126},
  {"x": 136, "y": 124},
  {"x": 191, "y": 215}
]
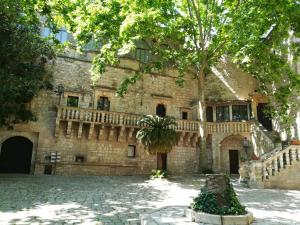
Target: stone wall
[
  {"x": 227, "y": 82},
  {"x": 141, "y": 98},
  {"x": 221, "y": 144},
  {"x": 288, "y": 178},
  {"x": 104, "y": 154}
]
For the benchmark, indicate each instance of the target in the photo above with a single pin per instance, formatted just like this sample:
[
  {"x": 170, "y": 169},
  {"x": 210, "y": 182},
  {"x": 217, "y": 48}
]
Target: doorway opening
[
  {"x": 234, "y": 161},
  {"x": 161, "y": 110},
  {"x": 262, "y": 117},
  {"x": 15, "y": 155},
  {"x": 162, "y": 161}
]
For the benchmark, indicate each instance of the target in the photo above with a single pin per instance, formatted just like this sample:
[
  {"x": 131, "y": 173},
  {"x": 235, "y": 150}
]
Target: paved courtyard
[{"x": 26, "y": 199}]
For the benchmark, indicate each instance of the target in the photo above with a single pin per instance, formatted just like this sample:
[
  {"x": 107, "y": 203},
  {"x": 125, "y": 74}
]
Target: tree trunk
[{"x": 202, "y": 119}]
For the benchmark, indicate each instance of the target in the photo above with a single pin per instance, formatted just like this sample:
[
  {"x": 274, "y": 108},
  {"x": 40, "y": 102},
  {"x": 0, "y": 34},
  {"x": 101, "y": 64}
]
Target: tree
[
  {"x": 191, "y": 36},
  {"x": 157, "y": 134},
  {"x": 22, "y": 60}
]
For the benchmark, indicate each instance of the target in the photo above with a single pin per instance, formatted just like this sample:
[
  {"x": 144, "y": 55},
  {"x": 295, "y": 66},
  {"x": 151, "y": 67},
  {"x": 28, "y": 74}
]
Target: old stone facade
[{"x": 92, "y": 131}]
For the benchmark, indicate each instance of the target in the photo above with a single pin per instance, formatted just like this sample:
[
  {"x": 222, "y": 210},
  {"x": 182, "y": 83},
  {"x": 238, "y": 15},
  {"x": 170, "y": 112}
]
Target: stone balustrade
[
  {"x": 114, "y": 118},
  {"x": 279, "y": 161},
  {"x": 229, "y": 127},
  {"x": 93, "y": 116}
]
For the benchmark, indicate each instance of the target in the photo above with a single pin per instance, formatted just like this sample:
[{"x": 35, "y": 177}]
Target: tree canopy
[
  {"x": 191, "y": 36},
  {"x": 22, "y": 60}
]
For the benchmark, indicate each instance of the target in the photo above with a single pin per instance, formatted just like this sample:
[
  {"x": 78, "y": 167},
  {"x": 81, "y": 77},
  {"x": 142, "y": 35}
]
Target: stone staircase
[
  {"x": 277, "y": 167},
  {"x": 263, "y": 141},
  {"x": 282, "y": 169}
]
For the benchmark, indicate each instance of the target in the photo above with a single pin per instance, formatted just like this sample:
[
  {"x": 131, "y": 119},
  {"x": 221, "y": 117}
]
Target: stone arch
[
  {"x": 32, "y": 136},
  {"x": 16, "y": 155},
  {"x": 233, "y": 145}
]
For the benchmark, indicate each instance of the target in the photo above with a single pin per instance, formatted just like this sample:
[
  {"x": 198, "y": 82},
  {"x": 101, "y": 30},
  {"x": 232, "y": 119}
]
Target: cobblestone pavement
[{"x": 104, "y": 200}]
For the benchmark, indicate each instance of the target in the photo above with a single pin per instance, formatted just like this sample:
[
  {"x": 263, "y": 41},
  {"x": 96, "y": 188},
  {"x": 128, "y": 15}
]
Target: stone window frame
[
  {"x": 72, "y": 94},
  {"x": 101, "y": 92},
  {"x": 160, "y": 99},
  {"x": 188, "y": 111},
  {"x": 133, "y": 156}
]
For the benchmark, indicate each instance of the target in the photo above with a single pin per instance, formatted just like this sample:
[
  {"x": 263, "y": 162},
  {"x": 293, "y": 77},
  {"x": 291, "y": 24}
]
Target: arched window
[
  {"x": 161, "y": 110},
  {"x": 103, "y": 103}
]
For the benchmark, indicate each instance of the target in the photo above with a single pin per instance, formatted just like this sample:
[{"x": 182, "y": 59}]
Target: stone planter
[
  {"x": 295, "y": 142},
  {"x": 200, "y": 217}
]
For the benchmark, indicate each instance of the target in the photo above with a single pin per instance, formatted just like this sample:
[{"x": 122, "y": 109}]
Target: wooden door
[
  {"x": 162, "y": 161},
  {"x": 234, "y": 161}
]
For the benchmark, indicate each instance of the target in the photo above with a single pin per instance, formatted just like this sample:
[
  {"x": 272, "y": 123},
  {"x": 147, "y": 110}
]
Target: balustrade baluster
[
  {"x": 281, "y": 161},
  {"x": 270, "y": 168},
  {"x": 287, "y": 158},
  {"x": 297, "y": 154},
  {"x": 71, "y": 114},
  {"x": 293, "y": 155},
  {"x": 275, "y": 166},
  {"x": 113, "y": 118},
  {"x": 278, "y": 164},
  {"x": 284, "y": 160},
  {"x": 264, "y": 168},
  {"x": 101, "y": 117},
  {"x": 65, "y": 113},
  {"x": 290, "y": 156}
]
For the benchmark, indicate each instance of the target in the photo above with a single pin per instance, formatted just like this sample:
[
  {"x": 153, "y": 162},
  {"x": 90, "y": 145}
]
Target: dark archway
[
  {"x": 265, "y": 120},
  {"x": 15, "y": 155},
  {"x": 161, "y": 110}
]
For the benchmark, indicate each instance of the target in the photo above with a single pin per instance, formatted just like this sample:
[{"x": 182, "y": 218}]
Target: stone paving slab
[{"x": 104, "y": 200}]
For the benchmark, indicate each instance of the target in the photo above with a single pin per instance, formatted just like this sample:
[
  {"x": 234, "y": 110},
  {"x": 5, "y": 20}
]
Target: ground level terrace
[{"x": 118, "y": 200}]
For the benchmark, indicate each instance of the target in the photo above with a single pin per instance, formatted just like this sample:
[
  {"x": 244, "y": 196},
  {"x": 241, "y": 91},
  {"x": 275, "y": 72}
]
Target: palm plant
[{"x": 158, "y": 134}]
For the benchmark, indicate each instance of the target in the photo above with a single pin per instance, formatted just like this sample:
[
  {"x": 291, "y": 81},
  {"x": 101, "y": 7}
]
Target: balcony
[
  {"x": 123, "y": 126},
  {"x": 118, "y": 126}
]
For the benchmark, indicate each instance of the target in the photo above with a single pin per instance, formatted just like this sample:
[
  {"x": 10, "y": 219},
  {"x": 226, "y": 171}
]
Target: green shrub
[
  {"x": 220, "y": 204},
  {"x": 207, "y": 171},
  {"x": 158, "y": 174}
]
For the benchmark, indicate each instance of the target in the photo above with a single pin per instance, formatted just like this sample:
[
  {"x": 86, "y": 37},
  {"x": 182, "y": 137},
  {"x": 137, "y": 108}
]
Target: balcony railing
[
  {"x": 229, "y": 127},
  {"x": 130, "y": 120},
  {"x": 114, "y": 118}
]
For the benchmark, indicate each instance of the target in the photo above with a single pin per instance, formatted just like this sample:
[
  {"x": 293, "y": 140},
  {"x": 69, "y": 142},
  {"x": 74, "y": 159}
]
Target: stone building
[{"x": 89, "y": 130}]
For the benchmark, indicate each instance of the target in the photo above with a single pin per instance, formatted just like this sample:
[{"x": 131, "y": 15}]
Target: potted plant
[{"x": 295, "y": 142}]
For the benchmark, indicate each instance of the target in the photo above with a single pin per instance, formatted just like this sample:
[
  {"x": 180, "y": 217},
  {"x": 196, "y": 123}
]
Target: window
[
  {"x": 48, "y": 169},
  {"x": 103, "y": 103},
  {"x": 72, "y": 101},
  {"x": 184, "y": 115},
  {"x": 209, "y": 114},
  {"x": 161, "y": 110},
  {"x": 61, "y": 36},
  {"x": 131, "y": 151},
  {"x": 143, "y": 55},
  {"x": 222, "y": 113},
  {"x": 79, "y": 158},
  {"x": 239, "y": 112}
]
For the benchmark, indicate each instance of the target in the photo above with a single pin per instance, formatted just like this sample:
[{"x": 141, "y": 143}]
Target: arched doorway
[
  {"x": 161, "y": 110},
  {"x": 231, "y": 151},
  {"x": 15, "y": 155}
]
